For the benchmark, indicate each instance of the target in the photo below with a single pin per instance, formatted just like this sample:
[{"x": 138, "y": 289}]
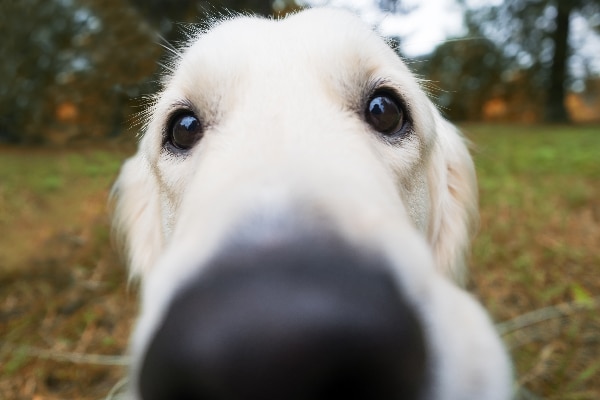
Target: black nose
[{"x": 313, "y": 321}]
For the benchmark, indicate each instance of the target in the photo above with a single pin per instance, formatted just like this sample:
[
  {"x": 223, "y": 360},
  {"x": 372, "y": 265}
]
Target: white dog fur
[{"x": 278, "y": 101}]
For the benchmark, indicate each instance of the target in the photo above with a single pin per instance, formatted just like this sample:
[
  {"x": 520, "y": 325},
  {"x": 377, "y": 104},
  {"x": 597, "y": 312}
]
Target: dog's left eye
[
  {"x": 184, "y": 131},
  {"x": 385, "y": 113}
]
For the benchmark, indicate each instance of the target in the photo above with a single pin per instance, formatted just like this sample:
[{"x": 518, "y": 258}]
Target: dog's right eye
[
  {"x": 385, "y": 113},
  {"x": 184, "y": 131}
]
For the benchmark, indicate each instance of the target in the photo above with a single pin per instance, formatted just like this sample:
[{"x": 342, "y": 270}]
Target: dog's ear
[
  {"x": 455, "y": 215},
  {"x": 136, "y": 216}
]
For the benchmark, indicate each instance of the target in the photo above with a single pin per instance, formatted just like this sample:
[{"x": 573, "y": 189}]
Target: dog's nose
[{"x": 315, "y": 321}]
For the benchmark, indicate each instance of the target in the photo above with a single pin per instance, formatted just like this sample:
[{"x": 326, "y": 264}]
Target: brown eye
[
  {"x": 385, "y": 113},
  {"x": 184, "y": 131}
]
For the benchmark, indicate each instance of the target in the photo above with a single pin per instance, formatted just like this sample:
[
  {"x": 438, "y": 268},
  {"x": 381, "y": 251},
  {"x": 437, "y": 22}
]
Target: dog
[{"x": 299, "y": 214}]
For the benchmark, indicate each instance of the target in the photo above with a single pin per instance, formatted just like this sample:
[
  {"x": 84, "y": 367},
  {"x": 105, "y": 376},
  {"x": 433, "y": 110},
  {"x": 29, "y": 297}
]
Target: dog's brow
[{"x": 184, "y": 104}]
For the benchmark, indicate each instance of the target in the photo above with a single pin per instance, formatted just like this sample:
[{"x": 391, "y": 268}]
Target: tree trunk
[{"x": 556, "y": 111}]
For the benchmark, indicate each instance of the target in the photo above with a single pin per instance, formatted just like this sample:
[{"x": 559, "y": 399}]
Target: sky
[
  {"x": 430, "y": 23},
  {"x": 433, "y": 22}
]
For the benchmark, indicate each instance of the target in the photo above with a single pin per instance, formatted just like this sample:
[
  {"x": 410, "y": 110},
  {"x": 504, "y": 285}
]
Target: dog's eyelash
[{"x": 184, "y": 105}]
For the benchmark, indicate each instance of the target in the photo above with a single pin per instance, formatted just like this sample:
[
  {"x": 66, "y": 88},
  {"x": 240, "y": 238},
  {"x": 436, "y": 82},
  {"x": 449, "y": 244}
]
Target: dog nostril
[{"x": 287, "y": 324}]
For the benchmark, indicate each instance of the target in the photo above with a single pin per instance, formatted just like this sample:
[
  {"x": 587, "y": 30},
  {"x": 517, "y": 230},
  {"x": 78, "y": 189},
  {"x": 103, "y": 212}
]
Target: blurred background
[{"x": 520, "y": 77}]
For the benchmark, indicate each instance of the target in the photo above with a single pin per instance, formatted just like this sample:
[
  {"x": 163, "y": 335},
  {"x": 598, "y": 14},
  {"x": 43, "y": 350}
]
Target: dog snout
[{"x": 310, "y": 320}]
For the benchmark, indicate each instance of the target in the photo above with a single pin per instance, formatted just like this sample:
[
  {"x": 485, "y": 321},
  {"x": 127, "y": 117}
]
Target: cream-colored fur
[{"x": 282, "y": 104}]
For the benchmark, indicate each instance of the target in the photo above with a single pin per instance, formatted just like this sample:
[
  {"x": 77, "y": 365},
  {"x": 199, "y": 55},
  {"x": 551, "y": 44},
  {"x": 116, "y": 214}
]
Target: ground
[{"x": 65, "y": 298}]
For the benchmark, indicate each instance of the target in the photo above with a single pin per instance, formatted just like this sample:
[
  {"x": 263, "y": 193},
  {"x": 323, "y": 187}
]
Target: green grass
[
  {"x": 47, "y": 171},
  {"x": 61, "y": 285},
  {"x": 48, "y": 188},
  {"x": 539, "y": 191},
  {"x": 63, "y": 288},
  {"x": 539, "y": 245}
]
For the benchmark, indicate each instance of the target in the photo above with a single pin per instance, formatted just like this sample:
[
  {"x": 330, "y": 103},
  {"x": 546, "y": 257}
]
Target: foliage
[
  {"x": 514, "y": 54},
  {"x": 35, "y": 51},
  {"x": 65, "y": 74},
  {"x": 78, "y": 69},
  {"x": 70, "y": 68},
  {"x": 163, "y": 13},
  {"x": 465, "y": 73},
  {"x": 534, "y": 37}
]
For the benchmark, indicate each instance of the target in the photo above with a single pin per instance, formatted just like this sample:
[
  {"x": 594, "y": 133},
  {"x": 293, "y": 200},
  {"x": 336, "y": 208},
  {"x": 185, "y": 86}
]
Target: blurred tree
[
  {"x": 534, "y": 35},
  {"x": 70, "y": 67},
  {"x": 123, "y": 55},
  {"x": 67, "y": 68},
  {"x": 34, "y": 50},
  {"x": 162, "y": 14},
  {"x": 463, "y": 75}
]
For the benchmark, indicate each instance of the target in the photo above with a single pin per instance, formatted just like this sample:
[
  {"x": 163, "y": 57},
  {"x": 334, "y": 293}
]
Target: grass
[
  {"x": 62, "y": 288},
  {"x": 538, "y": 245}
]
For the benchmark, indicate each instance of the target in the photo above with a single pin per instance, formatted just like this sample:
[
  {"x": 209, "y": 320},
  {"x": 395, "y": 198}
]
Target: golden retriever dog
[{"x": 299, "y": 215}]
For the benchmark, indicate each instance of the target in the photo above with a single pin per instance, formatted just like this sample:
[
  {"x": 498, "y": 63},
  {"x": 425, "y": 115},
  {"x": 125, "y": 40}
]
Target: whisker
[
  {"x": 165, "y": 44},
  {"x": 166, "y": 67}
]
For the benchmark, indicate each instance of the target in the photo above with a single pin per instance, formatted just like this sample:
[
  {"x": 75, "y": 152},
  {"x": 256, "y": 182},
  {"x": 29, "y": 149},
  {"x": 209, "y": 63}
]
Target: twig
[
  {"x": 540, "y": 366},
  {"x": 118, "y": 387},
  {"x": 76, "y": 358},
  {"x": 526, "y": 394},
  {"x": 546, "y": 313}
]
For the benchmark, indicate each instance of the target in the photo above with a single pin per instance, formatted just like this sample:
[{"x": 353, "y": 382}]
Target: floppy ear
[
  {"x": 455, "y": 213},
  {"x": 136, "y": 215}
]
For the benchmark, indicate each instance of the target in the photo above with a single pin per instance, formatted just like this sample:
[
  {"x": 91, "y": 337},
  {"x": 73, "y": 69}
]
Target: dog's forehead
[
  {"x": 331, "y": 56},
  {"x": 324, "y": 41},
  {"x": 300, "y": 33}
]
